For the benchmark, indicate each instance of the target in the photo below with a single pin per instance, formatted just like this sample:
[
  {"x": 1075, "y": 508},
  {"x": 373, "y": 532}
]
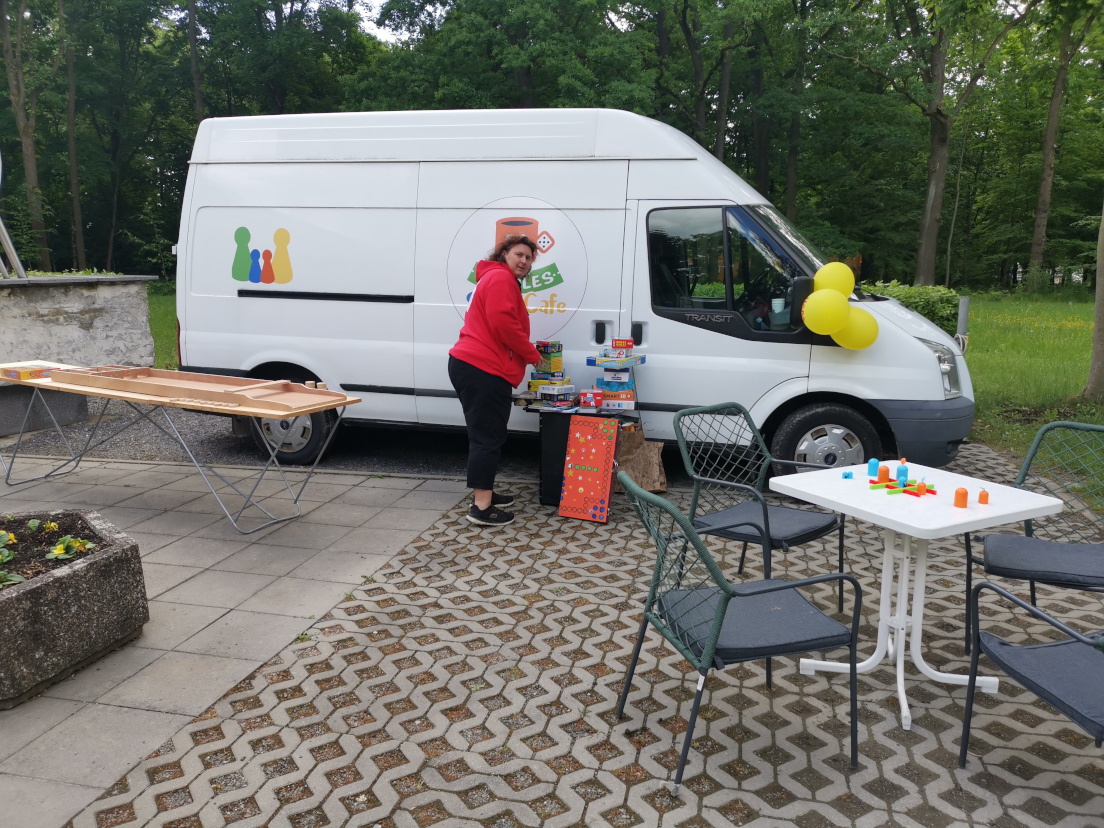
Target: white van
[{"x": 341, "y": 247}]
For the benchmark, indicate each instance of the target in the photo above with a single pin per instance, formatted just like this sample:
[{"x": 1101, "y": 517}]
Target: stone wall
[{"x": 77, "y": 320}]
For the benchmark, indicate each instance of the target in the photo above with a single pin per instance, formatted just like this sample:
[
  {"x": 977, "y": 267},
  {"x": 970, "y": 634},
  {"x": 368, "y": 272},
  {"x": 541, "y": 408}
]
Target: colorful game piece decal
[
  {"x": 247, "y": 266},
  {"x": 588, "y": 468}
]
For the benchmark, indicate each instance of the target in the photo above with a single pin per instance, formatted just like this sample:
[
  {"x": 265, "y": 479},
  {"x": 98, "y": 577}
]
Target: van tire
[
  {"x": 303, "y": 436},
  {"x": 825, "y": 433}
]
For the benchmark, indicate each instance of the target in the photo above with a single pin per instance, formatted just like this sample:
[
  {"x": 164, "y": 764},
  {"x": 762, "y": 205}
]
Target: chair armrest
[
  {"x": 764, "y": 529},
  {"x": 1035, "y": 611},
  {"x": 799, "y": 464}
]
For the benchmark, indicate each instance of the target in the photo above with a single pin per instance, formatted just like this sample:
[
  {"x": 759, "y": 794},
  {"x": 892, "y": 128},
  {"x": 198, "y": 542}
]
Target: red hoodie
[{"x": 495, "y": 336}]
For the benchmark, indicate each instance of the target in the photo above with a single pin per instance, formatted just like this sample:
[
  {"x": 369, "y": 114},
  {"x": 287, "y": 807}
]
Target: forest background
[{"x": 944, "y": 141}]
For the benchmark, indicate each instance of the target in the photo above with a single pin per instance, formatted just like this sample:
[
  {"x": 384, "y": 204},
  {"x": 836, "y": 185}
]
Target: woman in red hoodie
[{"x": 487, "y": 362}]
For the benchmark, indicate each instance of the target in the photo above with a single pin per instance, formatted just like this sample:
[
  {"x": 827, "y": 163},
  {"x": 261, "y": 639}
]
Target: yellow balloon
[
  {"x": 825, "y": 311},
  {"x": 860, "y": 331},
  {"x": 835, "y": 276}
]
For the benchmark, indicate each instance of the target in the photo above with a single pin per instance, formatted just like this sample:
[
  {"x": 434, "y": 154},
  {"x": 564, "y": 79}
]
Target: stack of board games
[
  {"x": 616, "y": 388},
  {"x": 549, "y": 386}
]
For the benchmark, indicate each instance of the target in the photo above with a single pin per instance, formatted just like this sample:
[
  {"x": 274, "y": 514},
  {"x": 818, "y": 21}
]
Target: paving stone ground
[{"x": 472, "y": 681}]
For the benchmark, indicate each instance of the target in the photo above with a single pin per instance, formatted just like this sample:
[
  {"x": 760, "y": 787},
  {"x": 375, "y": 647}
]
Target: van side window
[
  {"x": 686, "y": 258},
  {"x": 762, "y": 275}
]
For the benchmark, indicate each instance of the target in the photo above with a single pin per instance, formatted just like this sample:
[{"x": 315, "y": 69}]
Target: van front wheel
[
  {"x": 828, "y": 434},
  {"x": 299, "y": 438}
]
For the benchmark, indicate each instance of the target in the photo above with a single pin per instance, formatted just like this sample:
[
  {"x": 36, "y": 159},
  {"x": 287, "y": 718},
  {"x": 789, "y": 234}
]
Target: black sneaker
[
  {"x": 491, "y": 516},
  {"x": 501, "y": 499}
]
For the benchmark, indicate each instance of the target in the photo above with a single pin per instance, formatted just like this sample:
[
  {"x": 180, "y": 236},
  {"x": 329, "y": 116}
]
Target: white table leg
[
  {"x": 901, "y": 621},
  {"x": 810, "y": 666},
  {"x": 987, "y": 684}
]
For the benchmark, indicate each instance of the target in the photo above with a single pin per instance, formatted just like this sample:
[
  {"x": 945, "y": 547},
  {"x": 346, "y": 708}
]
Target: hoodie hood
[{"x": 484, "y": 267}]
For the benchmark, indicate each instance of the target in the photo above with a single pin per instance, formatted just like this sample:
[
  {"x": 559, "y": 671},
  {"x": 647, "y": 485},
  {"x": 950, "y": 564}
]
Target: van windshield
[{"x": 801, "y": 248}]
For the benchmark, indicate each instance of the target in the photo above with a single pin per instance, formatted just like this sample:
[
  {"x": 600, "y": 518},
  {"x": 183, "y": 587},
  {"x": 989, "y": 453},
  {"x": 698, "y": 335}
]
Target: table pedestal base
[
  {"x": 206, "y": 471},
  {"x": 893, "y": 625}
]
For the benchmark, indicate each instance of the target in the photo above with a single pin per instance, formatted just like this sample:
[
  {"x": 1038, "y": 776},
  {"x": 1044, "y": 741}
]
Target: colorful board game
[{"x": 588, "y": 468}]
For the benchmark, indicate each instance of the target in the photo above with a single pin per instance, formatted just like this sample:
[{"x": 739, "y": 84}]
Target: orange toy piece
[
  {"x": 983, "y": 496},
  {"x": 960, "y": 498},
  {"x": 883, "y": 474},
  {"x": 921, "y": 488}
]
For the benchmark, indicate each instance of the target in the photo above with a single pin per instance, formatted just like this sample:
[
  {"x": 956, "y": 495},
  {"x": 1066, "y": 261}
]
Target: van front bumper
[{"x": 928, "y": 432}]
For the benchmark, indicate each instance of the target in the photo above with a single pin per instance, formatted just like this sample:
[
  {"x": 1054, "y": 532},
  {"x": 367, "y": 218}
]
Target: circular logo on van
[{"x": 556, "y": 284}]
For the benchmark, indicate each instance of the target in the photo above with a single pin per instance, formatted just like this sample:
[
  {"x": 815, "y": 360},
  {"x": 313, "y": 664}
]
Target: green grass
[
  {"x": 1029, "y": 359},
  {"x": 162, "y": 313}
]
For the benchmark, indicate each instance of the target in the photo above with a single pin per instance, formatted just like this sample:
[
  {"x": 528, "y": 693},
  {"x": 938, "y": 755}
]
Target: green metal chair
[
  {"x": 1066, "y": 461},
  {"x": 1067, "y": 674},
  {"x": 729, "y": 462},
  {"x": 714, "y": 623}
]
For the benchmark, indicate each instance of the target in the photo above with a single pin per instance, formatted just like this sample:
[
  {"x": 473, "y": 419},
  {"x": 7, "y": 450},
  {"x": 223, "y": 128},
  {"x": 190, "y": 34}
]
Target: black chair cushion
[
  {"x": 755, "y": 626},
  {"x": 790, "y": 526},
  {"x": 1052, "y": 562},
  {"x": 1065, "y": 674}
]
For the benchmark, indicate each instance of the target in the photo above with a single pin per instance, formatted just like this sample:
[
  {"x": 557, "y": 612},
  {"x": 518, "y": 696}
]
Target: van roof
[{"x": 441, "y": 135}]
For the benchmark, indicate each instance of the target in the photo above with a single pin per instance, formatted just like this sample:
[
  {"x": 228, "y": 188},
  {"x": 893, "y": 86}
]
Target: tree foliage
[{"x": 828, "y": 107}]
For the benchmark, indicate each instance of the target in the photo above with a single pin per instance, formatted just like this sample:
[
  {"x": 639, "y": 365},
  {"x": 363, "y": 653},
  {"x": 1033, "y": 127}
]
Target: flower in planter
[
  {"x": 49, "y": 526},
  {"x": 6, "y": 555},
  {"x": 10, "y": 578},
  {"x": 6, "y": 538},
  {"x": 33, "y": 524},
  {"x": 67, "y": 547}
]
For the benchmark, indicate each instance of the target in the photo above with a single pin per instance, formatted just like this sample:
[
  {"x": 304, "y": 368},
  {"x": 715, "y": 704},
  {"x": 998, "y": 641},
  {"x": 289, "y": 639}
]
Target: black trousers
[{"x": 486, "y": 400}]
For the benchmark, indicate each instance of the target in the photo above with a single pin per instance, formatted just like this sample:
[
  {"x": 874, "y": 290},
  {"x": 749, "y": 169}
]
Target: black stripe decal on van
[
  {"x": 326, "y": 297},
  {"x": 398, "y": 389}
]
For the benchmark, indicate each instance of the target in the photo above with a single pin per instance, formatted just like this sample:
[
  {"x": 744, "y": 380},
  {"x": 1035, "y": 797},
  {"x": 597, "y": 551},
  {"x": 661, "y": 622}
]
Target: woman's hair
[{"x": 499, "y": 252}]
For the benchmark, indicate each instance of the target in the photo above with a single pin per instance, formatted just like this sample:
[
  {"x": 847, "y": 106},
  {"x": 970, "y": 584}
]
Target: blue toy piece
[
  {"x": 872, "y": 467},
  {"x": 902, "y": 475},
  {"x": 848, "y": 476}
]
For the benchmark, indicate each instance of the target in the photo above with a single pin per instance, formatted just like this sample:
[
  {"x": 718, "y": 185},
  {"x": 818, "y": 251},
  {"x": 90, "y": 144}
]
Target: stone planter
[{"x": 58, "y": 622}]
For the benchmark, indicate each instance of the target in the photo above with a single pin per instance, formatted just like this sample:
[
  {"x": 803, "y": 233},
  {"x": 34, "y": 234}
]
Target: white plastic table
[{"x": 909, "y": 523}]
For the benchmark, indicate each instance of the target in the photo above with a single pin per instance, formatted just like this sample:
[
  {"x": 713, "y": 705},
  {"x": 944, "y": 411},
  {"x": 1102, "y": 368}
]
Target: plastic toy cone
[
  {"x": 860, "y": 331},
  {"x": 825, "y": 311},
  {"x": 960, "y": 498},
  {"x": 835, "y": 276},
  {"x": 983, "y": 497},
  {"x": 883, "y": 474}
]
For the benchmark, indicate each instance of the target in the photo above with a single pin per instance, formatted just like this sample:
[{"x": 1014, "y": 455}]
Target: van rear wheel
[
  {"x": 299, "y": 439},
  {"x": 829, "y": 434}
]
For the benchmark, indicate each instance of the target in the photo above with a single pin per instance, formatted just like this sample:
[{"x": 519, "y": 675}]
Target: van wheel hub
[
  {"x": 288, "y": 435},
  {"x": 830, "y": 445}
]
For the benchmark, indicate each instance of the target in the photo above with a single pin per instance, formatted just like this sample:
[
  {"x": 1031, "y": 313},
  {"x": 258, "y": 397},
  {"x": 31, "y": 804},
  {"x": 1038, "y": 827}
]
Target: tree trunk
[
  {"x": 958, "y": 193},
  {"x": 1094, "y": 388},
  {"x": 722, "y": 97},
  {"x": 197, "y": 77},
  {"x": 74, "y": 175},
  {"x": 760, "y": 126},
  {"x": 933, "y": 203},
  {"x": 24, "y": 105},
  {"x": 524, "y": 80},
  {"x": 794, "y": 137},
  {"x": 1042, "y": 206}
]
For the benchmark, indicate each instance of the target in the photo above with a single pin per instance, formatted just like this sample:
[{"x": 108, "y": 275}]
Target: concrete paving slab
[
  {"x": 343, "y": 514},
  {"x": 49, "y": 490},
  {"x": 41, "y": 803},
  {"x": 306, "y": 535},
  {"x": 340, "y": 567},
  {"x": 297, "y": 597},
  {"x": 13, "y": 505},
  {"x": 148, "y": 480},
  {"x": 124, "y": 517},
  {"x": 320, "y": 492},
  {"x": 222, "y": 529},
  {"x": 387, "y": 482},
  {"x": 374, "y": 541},
  {"x": 217, "y": 589},
  {"x": 171, "y": 624},
  {"x": 417, "y": 520},
  {"x": 193, "y": 483},
  {"x": 22, "y": 725},
  {"x": 444, "y": 486},
  {"x": 425, "y": 499},
  {"x": 163, "y": 577},
  {"x": 176, "y": 522},
  {"x": 94, "y": 746},
  {"x": 184, "y": 683},
  {"x": 163, "y": 499},
  {"x": 193, "y": 551},
  {"x": 266, "y": 559},
  {"x": 370, "y": 496},
  {"x": 100, "y": 496},
  {"x": 111, "y": 670},
  {"x": 147, "y": 544},
  {"x": 246, "y": 635}
]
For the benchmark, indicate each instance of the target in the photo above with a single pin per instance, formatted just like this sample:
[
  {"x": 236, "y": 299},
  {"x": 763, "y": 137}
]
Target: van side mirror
[{"x": 802, "y": 289}]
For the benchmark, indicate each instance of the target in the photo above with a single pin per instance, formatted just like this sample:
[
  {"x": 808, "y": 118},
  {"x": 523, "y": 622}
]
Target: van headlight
[{"x": 948, "y": 368}]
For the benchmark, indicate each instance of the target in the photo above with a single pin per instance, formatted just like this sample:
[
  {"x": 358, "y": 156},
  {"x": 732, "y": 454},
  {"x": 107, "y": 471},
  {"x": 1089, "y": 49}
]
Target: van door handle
[
  {"x": 637, "y": 332},
  {"x": 601, "y": 331}
]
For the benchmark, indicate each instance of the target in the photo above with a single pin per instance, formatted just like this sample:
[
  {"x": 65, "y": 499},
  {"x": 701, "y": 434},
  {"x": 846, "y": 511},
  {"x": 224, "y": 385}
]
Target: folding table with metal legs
[{"x": 206, "y": 471}]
